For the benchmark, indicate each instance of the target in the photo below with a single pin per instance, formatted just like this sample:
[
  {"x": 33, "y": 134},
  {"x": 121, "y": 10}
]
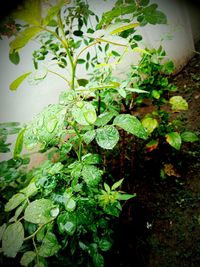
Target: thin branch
[{"x": 60, "y": 75}]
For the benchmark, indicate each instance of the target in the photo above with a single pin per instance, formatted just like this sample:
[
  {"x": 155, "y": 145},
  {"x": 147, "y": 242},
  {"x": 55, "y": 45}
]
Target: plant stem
[
  {"x": 32, "y": 235},
  {"x": 67, "y": 50},
  {"x": 85, "y": 48},
  {"x": 61, "y": 76},
  {"x": 79, "y": 154}
]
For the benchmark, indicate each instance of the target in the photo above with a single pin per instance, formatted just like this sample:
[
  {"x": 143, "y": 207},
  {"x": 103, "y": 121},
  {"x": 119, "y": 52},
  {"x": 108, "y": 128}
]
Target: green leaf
[
  {"x": 80, "y": 61},
  {"x": 136, "y": 90},
  {"x": 144, "y": 2},
  {"x": 91, "y": 175},
  {"x": 154, "y": 16},
  {"x": 50, "y": 245},
  {"x": 89, "y": 136},
  {"x": 30, "y": 12},
  {"x": 155, "y": 94},
  {"x": 2, "y": 229},
  {"x": 174, "y": 139},
  {"x": 189, "y": 137},
  {"x": 107, "y": 137},
  {"x": 84, "y": 113},
  {"x": 124, "y": 27},
  {"x": 105, "y": 244},
  {"x": 67, "y": 223},
  {"x": 130, "y": 124},
  {"x": 27, "y": 258},
  {"x": 14, "y": 57},
  {"x": 125, "y": 196},
  {"x": 117, "y": 184},
  {"x": 98, "y": 260},
  {"x": 107, "y": 187},
  {"x": 12, "y": 239},
  {"x": 46, "y": 128},
  {"x": 70, "y": 205},
  {"x": 16, "y": 83},
  {"x": 91, "y": 159},
  {"x": 39, "y": 211},
  {"x": 116, "y": 12},
  {"x": 178, "y": 103},
  {"x": 14, "y": 201},
  {"x": 104, "y": 118},
  {"x": 23, "y": 38},
  {"x": 122, "y": 92},
  {"x": 19, "y": 144},
  {"x": 149, "y": 124}
]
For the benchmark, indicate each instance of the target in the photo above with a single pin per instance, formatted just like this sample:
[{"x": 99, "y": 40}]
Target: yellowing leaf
[
  {"x": 16, "y": 83},
  {"x": 149, "y": 124},
  {"x": 174, "y": 139},
  {"x": 30, "y": 12},
  {"x": 23, "y": 38},
  {"x": 178, "y": 103},
  {"x": 124, "y": 28}
]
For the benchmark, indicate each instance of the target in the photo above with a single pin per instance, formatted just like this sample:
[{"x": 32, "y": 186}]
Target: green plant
[
  {"x": 161, "y": 123},
  {"x": 64, "y": 207}
]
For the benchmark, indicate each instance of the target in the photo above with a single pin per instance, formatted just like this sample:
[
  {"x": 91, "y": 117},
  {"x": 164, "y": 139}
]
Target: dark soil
[{"x": 161, "y": 227}]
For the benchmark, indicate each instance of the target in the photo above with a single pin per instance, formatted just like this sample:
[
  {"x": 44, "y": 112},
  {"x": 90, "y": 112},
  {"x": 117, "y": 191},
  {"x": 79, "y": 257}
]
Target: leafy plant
[
  {"x": 64, "y": 207},
  {"x": 152, "y": 75}
]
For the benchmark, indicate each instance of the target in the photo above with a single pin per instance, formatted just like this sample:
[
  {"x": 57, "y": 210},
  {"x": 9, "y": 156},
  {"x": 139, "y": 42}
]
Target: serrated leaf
[
  {"x": 189, "y": 137},
  {"x": 107, "y": 137},
  {"x": 91, "y": 175},
  {"x": 19, "y": 144},
  {"x": 16, "y": 83},
  {"x": 149, "y": 124},
  {"x": 12, "y": 239},
  {"x": 174, "y": 139},
  {"x": 23, "y": 38},
  {"x": 117, "y": 184},
  {"x": 27, "y": 258},
  {"x": 39, "y": 211},
  {"x": 178, "y": 103},
  {"x": 50, "y": 245},
  {"x": 130, "y": 124}
]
